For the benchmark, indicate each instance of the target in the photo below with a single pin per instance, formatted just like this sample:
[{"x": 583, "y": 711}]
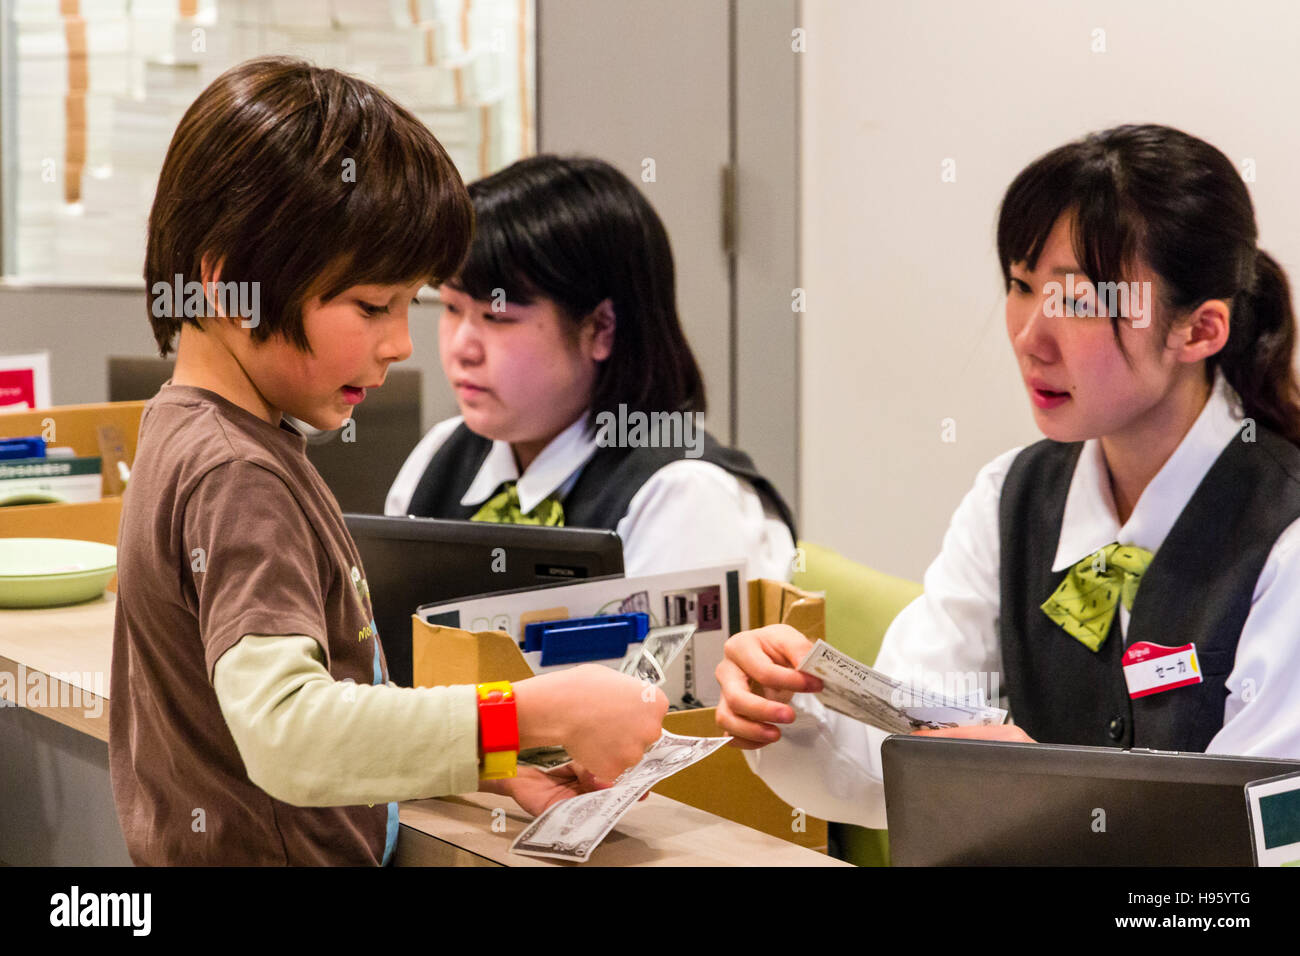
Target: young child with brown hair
[{"x": 252, "y": 722}]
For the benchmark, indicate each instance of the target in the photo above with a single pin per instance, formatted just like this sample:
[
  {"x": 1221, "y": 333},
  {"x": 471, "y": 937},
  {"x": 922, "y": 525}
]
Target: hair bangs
[
  {"x": 1079, "y": 180},
  {"x": 497, "y": 261},
  {"x": 302, "y": 181},
  {"x": 407, "y": 218},
  {"x": 1151, "y": 197}
]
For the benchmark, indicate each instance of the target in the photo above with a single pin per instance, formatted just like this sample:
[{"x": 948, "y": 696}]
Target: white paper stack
[
  {"x": 425, "y": 44},
  {"x": 247, "y": 12},
  {"x": 371, "y": 13},
  {"x": 91, "y": 139},
  {"x": 42, "y": 63},
  {"x": 192, "y": 41},
  {"x": 449, "y": 85},
  {"x": 311, "y": 14},
  {"x": 205, "y": 10},
  {"x": 67, "y": 72},
  {"x": 471, "y": 137},
  {"x": 33, "y": 11}
]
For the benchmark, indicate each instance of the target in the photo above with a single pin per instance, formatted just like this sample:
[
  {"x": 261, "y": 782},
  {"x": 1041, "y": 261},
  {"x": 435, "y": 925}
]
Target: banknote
[
  {"x": 864, "y": 693},
  {"x": 651, "y": 660},
  {"x": 572, "y": 829},
  {"x": 665, "y": 643},
  {"x": 643, "y": 667},
  {"x": 545, "y": 758}
]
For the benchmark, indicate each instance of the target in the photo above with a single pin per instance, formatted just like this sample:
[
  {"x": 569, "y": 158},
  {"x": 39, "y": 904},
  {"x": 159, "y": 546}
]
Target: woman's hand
[
  {"x": 996, "y": 732},
  {"x": 758, "y": 677}
]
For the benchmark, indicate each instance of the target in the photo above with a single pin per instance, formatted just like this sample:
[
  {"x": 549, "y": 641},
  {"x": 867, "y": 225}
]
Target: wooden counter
[
  {"x": 67, "y": 652},
  {"x": 70, "y": 648},
  {"x": 457, "y": 831}
]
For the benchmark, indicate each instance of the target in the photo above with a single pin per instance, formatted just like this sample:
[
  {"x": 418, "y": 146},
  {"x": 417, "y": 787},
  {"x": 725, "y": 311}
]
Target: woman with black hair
[
  {"x": 581, "y": 403},
  {"x": 1134, "y": 579}
]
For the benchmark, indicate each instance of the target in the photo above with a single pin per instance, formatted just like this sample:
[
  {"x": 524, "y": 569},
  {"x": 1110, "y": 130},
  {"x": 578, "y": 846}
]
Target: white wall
[
  {"x": 628, "y": 81},
  {"x": 904, "y": 326}
]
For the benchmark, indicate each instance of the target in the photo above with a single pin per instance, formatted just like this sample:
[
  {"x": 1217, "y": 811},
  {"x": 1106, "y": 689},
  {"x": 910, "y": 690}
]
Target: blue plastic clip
[
  {"x": 12, "y": 448},
  {"x": 575, "y": 640}
]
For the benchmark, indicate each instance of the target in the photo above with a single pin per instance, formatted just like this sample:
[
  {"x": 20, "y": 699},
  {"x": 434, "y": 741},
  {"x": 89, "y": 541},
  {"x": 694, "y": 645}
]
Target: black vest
[
  {"x": 1197, "y": 589},
  {"x": 600, "y": 496}
]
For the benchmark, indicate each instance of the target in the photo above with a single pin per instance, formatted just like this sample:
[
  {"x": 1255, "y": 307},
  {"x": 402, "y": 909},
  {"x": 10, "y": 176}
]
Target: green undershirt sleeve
[{"x": 312, "y": 741}]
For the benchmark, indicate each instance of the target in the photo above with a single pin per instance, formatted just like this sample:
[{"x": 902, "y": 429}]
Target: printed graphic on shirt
[{"x": 363, "y": 598}]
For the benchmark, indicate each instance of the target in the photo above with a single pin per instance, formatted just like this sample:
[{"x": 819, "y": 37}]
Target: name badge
[{"x": 1153, "y": 668}]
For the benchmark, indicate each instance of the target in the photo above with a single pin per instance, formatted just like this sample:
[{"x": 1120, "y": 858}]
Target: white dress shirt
[
  {"x": 829, "y": 765},
  {"x": 688, "y": 514}
]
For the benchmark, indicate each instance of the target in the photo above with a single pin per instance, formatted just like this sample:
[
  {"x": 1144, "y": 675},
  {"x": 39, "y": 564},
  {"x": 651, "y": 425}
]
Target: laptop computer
[
  {"x": 995, "y": 803},
  {"x": 413, "y": 561}
]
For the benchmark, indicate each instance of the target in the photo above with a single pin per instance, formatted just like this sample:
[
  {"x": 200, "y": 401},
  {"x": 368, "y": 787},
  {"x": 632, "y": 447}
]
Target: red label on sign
[
  {"x": 17, "y": 387},
  {"x": 1145, "y": 651}
]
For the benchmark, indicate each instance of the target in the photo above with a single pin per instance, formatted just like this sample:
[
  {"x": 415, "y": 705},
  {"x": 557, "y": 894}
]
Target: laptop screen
[
  {"x": 994, "y": 803},
  {"x": 413, "y": 561}
]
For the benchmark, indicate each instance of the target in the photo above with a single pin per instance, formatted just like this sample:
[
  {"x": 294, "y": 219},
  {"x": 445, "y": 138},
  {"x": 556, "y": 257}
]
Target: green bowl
[{"x": 48, "y": 572}]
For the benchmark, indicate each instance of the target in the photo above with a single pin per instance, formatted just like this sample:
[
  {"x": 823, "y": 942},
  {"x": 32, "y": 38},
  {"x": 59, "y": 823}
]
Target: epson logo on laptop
[{"x": 560, "y": 571}]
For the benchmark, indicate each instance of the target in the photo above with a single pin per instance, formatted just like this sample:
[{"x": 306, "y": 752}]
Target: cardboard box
[
  {"x": 714, "y": 599},
  {"x": 76, "y": 427},
  {"x": 722, "y": 783},
  {"x": 84, "y": 521}
]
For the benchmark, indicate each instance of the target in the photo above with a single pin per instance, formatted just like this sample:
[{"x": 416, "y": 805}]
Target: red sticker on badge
[{"x": 1153, "y": 668}]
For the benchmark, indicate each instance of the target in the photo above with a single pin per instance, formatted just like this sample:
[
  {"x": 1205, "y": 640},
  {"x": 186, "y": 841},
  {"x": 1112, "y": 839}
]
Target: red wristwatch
[{"x": 498, "y": 730}]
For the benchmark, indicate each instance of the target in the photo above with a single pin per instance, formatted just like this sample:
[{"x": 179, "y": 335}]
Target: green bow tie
[
  {"x": 503, "y": 508},
  {"x": 1084, "y": 604}
]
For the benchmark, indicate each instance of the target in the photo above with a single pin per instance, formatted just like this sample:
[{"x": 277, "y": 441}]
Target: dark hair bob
[{"x": 576, "y": 231}]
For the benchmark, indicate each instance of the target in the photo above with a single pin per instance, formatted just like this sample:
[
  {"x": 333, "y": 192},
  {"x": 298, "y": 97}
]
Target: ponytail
[{"x": 1258, "y": 359}]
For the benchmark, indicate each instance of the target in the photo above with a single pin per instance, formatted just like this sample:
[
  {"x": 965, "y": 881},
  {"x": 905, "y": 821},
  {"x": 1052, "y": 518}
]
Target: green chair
[{"x": 860, "y": 603}]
